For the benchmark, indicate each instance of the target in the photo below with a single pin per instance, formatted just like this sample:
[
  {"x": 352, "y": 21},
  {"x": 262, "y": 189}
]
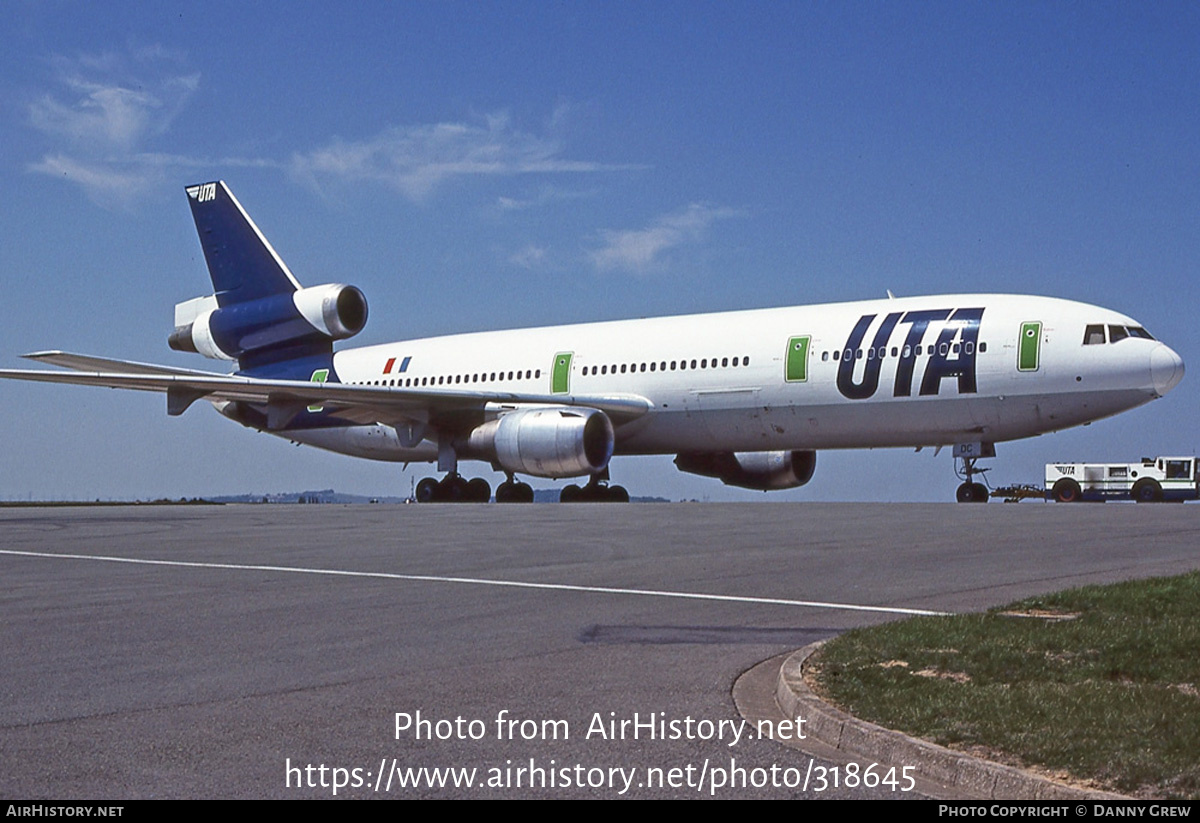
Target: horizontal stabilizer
[{"x": 87, "y": 362}]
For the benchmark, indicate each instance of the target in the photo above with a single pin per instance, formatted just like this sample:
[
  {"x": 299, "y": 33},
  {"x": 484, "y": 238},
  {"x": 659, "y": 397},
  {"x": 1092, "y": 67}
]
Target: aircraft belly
[
  {"x": 906, "y": 422},
  {"x": 376, "y": 442}
]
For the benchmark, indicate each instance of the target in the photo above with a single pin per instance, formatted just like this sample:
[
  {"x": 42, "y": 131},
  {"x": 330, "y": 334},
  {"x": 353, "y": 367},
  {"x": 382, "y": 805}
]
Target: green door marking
[
  {"x": 319, "y": 376},
  {"x": 796, "y": 368},
  {"x": 1029, "y": 346},
  {"x": 560, "y": 375}
]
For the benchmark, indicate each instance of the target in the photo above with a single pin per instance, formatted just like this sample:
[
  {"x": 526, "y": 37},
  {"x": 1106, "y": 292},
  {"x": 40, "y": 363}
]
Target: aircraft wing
[{"x": 286, "y": 398}]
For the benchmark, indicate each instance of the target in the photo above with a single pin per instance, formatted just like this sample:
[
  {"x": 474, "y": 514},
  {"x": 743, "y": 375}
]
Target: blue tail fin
[
  {"x": 241, "y": 262},
  {"x": 259, "y": 314}
]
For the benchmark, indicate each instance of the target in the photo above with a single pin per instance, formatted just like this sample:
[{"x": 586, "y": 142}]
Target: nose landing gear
[{"x": 971, "y": 491}]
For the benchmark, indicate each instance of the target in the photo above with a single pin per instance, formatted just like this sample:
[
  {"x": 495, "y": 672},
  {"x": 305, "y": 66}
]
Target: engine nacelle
[
  {"x": 762, "y": 471},
  {"x": 317, "y": 314},
  {"x": 546, "y": 442}
]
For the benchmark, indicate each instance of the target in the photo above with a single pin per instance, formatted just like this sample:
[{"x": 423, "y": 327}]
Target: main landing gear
[
  {"x": 454, "y": 488},
  {"x": 597, "y": 490},
  {"x": 513, "y": 491},
  {"x": 971, "y": 491}
]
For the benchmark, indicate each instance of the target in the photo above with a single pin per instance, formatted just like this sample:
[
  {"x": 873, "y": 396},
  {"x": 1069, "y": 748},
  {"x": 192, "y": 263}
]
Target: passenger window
[
  {"x": 1093, "y": 335},
  {"x": 725, "y": 361},
  {"x": 982, "y": 348},
  {"x": 746, "y": 361},
  {"x": 1116, "y": 333}
]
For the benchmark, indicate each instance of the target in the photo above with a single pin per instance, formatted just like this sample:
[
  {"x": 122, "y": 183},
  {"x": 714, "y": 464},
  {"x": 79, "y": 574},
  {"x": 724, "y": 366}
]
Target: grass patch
[{"x": 1101, "y": 684}]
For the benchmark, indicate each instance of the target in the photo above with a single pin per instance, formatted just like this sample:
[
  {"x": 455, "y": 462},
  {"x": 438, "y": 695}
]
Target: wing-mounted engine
[
  {"x": 545, "y": 442},
  {"x": 762, "y": 471},
  {"x": 283, "y": 322}
]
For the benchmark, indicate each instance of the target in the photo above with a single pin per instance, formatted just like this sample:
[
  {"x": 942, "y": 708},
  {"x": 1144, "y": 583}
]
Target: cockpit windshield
[{"x": 1094, "y": 334}]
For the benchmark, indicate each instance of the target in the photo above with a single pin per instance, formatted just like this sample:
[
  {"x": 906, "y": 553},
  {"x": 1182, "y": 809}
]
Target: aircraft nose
[{"x": 1166, "y": 369}]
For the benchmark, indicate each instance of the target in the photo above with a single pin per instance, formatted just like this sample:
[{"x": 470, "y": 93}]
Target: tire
[
  {"x": 965, "y": 494},
  {"x": 453, "y": 489},
  {"x": 478, "y": 490},
  {"x": 523, "y": 493},
  {"x": 504, "y": 493},
  {"x": 1066, "y": 490},
  {"x": 427, "y": 491},
  {"x": 979, "y": 493},
  {"x": 1147, "y": 490},
  {"x": 570, "y": 494},
  {"x": 617, "y": 494}
]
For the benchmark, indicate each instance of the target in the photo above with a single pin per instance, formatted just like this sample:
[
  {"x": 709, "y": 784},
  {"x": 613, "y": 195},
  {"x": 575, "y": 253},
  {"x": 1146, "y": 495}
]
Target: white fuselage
[{"x": 919, "y": 371}]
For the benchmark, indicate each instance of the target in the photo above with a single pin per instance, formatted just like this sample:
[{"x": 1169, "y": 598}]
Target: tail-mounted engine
[
  {"x": 277, "y": 322},
  {"x": 762, "y": 471}
]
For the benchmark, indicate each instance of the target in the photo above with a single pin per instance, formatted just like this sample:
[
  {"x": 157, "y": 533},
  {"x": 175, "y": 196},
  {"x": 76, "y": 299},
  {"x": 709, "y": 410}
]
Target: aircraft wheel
[
  {"x": 965, "y": 493},
  {"x": 1066, "y": 490},
  {"x": 504, "y": 492},
  {"x": 478, "y": 490},
  {"x": 452, "y": 489},
  {"x": 980, "y": 492},
  {"x": 1147, "y": 490},
  {"x": 427, "y": 491},
  {"x": 617, "y": 494},
  {"x": 570, "y": 494},
  {"x": 523, "y": 493}
]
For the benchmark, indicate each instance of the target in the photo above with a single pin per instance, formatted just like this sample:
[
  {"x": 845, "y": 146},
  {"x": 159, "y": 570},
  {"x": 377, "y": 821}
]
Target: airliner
[{"x": 746, "y": 397}]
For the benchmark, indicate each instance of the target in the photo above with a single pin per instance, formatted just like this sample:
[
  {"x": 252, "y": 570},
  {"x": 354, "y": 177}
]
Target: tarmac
[{"x": 234, "y": 651}]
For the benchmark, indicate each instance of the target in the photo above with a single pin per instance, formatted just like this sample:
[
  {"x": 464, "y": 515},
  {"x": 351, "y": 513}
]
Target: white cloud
[
  {"x": 529, "y": 257},
  {"x": 639, "y": 249},
  {"x": 417, "y": 159},
  {"x": 103, "y": 112},
  {"x": 105, "y": 183}
]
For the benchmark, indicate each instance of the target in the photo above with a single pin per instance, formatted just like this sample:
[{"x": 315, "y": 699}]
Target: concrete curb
[{"x": 978, "y": 778}]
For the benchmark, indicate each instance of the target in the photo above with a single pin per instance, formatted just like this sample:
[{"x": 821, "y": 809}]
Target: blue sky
[{"x": 492, "y": 165}]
